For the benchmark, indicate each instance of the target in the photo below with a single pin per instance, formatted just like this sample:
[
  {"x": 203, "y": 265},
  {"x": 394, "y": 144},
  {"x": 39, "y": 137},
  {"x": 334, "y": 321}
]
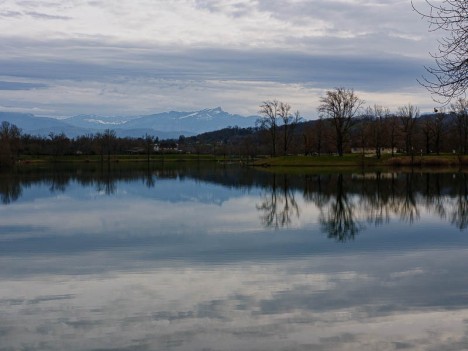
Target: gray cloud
[
  {"x": 45, "y": 16},
  {"x": 7, "y": 14},
  {"x": 322, "y": 70},
  {"x": 372, "y": 46},
  {"x": 20, "y": 86}
]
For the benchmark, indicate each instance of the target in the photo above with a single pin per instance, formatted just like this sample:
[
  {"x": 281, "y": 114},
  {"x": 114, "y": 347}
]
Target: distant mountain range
[{"x": 163, "y": 125}]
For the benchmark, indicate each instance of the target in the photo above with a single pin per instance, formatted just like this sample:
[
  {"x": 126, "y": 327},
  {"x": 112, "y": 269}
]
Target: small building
[{"x": 371, "y": 151}]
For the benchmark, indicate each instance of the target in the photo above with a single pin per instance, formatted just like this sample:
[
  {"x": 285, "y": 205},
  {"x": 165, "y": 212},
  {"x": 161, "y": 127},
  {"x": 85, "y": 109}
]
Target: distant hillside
[
  {"x": 195, "y": 122},
  {"x": 163, "y": 125}
]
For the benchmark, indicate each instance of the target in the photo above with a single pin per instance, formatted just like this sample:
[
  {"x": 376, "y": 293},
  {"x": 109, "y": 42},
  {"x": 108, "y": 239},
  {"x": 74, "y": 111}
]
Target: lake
[{"x": 229, "y": 258}]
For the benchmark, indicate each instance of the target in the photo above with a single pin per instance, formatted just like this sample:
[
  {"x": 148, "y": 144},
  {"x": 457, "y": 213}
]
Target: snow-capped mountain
[
  {"x": 164, "y": 125},
  {"x": 98, "y": 122},
  {"x": 195, "y": 122}
]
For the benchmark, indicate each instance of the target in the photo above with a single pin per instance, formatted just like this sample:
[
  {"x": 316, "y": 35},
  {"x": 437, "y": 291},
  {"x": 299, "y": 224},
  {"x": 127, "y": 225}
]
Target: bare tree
[
  {"x": 449, "y": 77},
  {"x": 392, "y": 128},
  {"x": 59, "y": 143},
  {"x": 319, "y": 135},
  {"x": 408, "y": 115},
  {"x": 428, "y": 132},
  {"x": 438, "y": 127},
  {"x": 377, "y": 115},
  {"x": 460, "y": 108},
  {"x": 9, "y": 143},
  {"x": 269, "y": 121},
  {"x": 106, "y": 142},
  {"x": 340, "y": 105},
  {"x": 290, "y": 122},
  {"x": 149, "y": 146},
  {"x": 277, "y": 118}
]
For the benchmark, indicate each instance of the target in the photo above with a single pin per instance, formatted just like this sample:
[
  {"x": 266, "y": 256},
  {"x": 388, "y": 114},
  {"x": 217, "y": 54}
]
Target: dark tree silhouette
[
  {"x": 278, "y": 205},
  {"x": 377, "y": 115},
  {"x": 449, "y": 77},
  {"x": 408, "y": 115},
  {"x": 290, "y": 122},
  {"x": 438, "y": 129},
  {"x": 340, "y": 222},
  {"x": 9, "y": 143},
  {"x": 341, "y": 105},
  {"x": 269, "y": 121},
  {"x": 460, "y": 109}
]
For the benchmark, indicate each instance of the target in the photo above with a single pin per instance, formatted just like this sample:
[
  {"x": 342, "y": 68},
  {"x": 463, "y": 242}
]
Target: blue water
[{"x": 232, "y": 259}]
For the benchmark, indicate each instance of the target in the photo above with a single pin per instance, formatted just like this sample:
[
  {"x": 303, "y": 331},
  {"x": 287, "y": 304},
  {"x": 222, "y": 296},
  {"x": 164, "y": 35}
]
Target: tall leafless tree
[
  {"x": 276, "y": 118},
  {"x": 269, "y": 111},
  {"x": 438, "y": 127},
  {"x": 9, "y": 143},
  {"x": 377, "y": 116},
  {"x": 319, "y": 135},
  {"x": 427, "y": 130},
  {"x": 460, "y": 108},
  {"x": 449, "y": 77},
  {"x": 392, "y": 124},
  {"x": 340, "y": 105},
  {"x": 408, "y": 115},
  {"x": 290, "y": 122}
]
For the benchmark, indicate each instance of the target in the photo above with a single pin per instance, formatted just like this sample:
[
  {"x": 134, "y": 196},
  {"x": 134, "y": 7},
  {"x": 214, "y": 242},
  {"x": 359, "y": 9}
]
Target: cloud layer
[{"x": 160, "y": 55}]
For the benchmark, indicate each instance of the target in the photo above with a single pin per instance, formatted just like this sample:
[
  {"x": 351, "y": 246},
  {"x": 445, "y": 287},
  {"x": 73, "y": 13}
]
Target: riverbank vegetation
[{"x": 346, "y": 134}]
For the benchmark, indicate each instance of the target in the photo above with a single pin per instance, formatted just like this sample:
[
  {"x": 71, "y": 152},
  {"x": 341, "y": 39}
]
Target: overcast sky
[{"x": 127, "y": 57}]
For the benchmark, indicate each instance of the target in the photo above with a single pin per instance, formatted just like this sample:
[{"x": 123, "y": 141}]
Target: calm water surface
[{"x": 232, "y": 259}]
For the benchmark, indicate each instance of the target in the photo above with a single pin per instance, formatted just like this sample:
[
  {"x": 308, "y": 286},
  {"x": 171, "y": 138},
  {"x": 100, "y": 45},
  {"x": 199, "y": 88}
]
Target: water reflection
[
  {"x": 216, "y": 258},
  {"x": 340, "y": 221},
  {"x": 279, "y": 204},
  {"x": 347, "y": 203}
]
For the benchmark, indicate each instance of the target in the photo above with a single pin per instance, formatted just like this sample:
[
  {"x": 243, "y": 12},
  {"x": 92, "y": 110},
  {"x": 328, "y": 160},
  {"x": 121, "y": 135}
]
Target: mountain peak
[
  {"x": 166, "y": 123},
  {"x": 212, "y": 110}
]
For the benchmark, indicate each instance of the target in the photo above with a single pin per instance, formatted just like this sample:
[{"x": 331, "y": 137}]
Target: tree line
[{"x": 344, "y": 125}]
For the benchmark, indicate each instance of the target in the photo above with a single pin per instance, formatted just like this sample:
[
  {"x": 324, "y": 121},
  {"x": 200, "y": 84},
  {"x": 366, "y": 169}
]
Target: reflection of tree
[
  {"x": 344, "y": 201},
  {"x": 459, "y": 216},
  {"x": 10, "y": 189},
  {"x": 339, "y": 222},
  {"x": 278, "y": 205},
  {"x": 106, "y": 182},
  {"x": 376, "y": 200},
  {"x": 433, "y": 195},
  {"x": 314, "y": 190},
  {"x": 149, "y": 179},
  {"x": 59, "y": 181},
  {"x": 407, "y": 207}
]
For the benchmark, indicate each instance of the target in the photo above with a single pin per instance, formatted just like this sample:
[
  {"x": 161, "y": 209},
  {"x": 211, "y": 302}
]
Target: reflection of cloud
[
  {"x": 143, "y": 270},
  {"x": 294, "y": 304}
]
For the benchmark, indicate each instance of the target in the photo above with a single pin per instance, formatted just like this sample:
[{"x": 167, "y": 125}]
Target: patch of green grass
[
  {"x": 118, "y": 158},
  {"x": 349, "y": 160},
  {"x": 357, "y": 160}
]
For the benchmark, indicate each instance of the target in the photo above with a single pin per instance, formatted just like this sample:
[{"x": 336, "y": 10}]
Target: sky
[{"x": 131, "y": 57}]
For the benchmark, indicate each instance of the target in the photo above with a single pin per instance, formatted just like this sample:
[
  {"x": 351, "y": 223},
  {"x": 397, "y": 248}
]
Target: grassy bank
[
  {"x": 326, "y": 161},
  {"x": 350, "y": 160},
  {"x": 117, "y": 158},
  {"x": 354, "y": 160}
]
